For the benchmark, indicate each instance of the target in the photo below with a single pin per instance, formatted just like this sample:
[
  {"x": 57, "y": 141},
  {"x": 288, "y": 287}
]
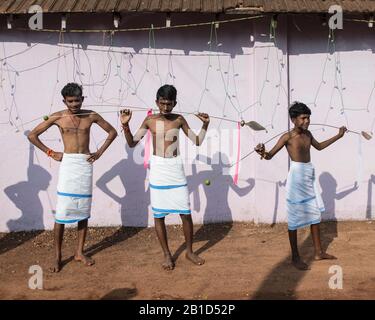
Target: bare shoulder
[
  {"x": 309, "y": 134},
  {"x": 180, "y": 118},
  {"x": 91, "y": 114},
  {"x": 56, "y": 115},
  {"x": 286, "y": 136},
  {"x": 151, "y": 118}
]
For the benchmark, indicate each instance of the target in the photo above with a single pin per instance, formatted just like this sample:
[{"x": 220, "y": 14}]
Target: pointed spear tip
[
  {"x": 366, "y": 135},
  {"x": 255, "y": 126}
]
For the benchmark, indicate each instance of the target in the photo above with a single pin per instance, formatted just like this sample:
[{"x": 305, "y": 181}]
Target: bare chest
[
  {"x": 165, "y": 128},
  {"x": 300, "y": 143},
  {"x": 75, "y": 125}
]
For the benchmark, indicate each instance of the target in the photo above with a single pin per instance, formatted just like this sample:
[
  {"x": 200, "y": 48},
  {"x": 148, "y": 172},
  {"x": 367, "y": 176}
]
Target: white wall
[{"x": 254, "y": 74}]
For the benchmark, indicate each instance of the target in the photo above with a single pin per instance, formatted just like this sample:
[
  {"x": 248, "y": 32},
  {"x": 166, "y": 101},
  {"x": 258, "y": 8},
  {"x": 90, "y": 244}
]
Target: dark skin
[
  {"x": 298, "y": 143},
  {"x": 74, "y": 125},
  {"x": 164, "y": 128}
]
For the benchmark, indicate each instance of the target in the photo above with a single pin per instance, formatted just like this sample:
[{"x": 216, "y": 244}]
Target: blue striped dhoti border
[
  {"x": 74, "y": 195},
  {"x": 161, "y": 213}
]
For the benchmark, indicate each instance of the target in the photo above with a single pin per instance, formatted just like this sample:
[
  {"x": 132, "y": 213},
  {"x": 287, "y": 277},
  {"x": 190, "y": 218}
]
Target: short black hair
[
  {"x": 72, "y": 89},
  {"x": 168, "y": 92},
  {"x": 298, "y": 108}
]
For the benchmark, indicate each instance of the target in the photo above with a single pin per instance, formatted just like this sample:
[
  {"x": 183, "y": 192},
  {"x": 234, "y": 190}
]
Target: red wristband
[{"x": 49, "y": 152}]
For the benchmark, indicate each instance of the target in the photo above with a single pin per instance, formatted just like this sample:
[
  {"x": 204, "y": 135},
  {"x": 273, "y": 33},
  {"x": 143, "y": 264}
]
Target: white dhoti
[
  {"x": 74, "y": 188},
  {"x": 304, "y": 204},
  {"x": 168, "y": 187}
]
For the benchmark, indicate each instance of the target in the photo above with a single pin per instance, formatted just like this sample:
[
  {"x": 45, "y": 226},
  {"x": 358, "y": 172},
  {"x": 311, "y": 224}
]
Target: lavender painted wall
[{"x": 237, "y": 71}]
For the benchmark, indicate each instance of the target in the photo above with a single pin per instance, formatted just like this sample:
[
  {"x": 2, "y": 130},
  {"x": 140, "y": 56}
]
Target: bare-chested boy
[
  {"x": 168, "y": 186},
  {"x": 304, "y": 204},
  {"x": 74, "y": 189}
]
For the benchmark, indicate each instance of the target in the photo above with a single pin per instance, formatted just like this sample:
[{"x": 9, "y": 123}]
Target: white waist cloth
[
  {"x": 168, "y": 186},
  {"x": 74, "y": 188},
  {"x": 304, "y": 204}
]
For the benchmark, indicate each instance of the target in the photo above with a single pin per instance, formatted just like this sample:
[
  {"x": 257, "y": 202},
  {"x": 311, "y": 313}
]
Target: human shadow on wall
[
  {"x": 217, "y": 219},
  {"x": 369, "y": 208},
  {"x": 133, "y": 205},
  {"x": 329, "y": 195},
  {"x": 283, "y": 279},
  {"x": 25, "y": 196}
]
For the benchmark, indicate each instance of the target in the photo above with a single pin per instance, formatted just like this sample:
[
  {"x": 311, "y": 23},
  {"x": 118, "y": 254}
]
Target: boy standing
[
  {"x": 168, "y": 186},
  {"x": 74, "y": 188},
  {"x": 304, "y": 205}
]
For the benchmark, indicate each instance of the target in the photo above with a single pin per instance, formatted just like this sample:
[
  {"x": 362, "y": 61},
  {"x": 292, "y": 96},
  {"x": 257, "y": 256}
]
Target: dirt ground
[{"x": 243, "y": 261}]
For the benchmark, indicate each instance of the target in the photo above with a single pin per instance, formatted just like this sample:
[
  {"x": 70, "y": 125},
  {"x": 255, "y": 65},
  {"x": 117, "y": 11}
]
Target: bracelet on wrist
[{"x": 49, "y": 152}]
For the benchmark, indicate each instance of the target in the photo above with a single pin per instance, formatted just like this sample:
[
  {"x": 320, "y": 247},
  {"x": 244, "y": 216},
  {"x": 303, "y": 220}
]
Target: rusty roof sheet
[{"x": 204, "y": 6}]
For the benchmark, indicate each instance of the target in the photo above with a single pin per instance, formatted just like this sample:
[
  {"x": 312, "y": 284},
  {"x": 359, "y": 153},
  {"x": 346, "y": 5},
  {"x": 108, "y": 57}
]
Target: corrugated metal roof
[{"x": 206, "y": 6}]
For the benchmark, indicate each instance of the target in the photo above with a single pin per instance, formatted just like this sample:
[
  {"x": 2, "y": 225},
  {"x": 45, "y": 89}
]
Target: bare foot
[
  {"x": 299, "y": 264},
  {"x": 87, "y": 261},
  {"x": 324, "y": 256},
  {"x": 56, "y": 267},
  {"x": 168, "y": 264},
  {"x": 195, "y": 258}
]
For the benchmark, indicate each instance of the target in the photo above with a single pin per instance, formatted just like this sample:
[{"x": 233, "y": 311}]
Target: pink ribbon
[
  {"x": 235, "y": 177},
  {"x": 146, "y": 158}
]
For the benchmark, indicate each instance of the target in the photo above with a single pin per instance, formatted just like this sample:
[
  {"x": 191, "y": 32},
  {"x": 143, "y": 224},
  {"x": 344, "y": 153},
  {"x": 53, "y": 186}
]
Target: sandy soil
[{"x": 243, "y": 261}]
